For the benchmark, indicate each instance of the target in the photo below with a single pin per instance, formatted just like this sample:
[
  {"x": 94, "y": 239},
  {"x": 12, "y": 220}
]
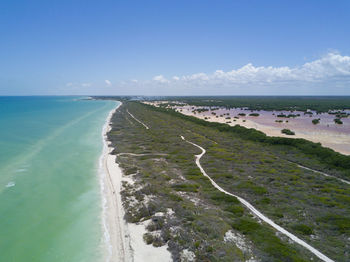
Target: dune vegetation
[{"x": 186, "y": 212}]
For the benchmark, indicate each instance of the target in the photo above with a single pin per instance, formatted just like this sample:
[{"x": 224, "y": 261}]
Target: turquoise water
[{"x": 50, "y": 202}]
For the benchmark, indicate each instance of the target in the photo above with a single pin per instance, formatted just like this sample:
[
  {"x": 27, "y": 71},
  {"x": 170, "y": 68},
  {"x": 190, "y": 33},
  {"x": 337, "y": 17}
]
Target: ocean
[{"x": 50, "y": 195}]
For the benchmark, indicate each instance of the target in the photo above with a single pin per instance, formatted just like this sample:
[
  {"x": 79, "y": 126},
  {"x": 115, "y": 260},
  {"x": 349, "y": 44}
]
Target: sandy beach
[{"x": 123, "y": 241}]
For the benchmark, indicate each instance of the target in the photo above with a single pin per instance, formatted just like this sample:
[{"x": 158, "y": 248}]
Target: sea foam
[
  {"x": 10, "y": 184},
  {"x": 21, "y": 170}
]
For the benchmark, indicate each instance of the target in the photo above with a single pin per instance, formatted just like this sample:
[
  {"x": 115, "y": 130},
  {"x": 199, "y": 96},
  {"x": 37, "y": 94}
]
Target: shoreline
[
  {"x": 130, "y": 139},
  {"x": 122, "y": 241},
  {"x": 114, "y": 228}
]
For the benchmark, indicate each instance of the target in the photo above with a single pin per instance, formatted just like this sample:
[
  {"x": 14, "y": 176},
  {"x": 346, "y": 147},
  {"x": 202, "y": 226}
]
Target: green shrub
[
  {"x": 175, "y": 197},
  {"x": 235, "y": 209},
  {"x": 338, "y": 121},
  {"x": 222, "y": 197},
  {"x": 281, "y": 115},
  {"x": 251, "y": 186},
  {"x": 340, "y": 222},
  {"x": 209, "y": 249},
  {"x": 278, "y": 214},
  {"x": 186, "y": 187},
  {"x": 194, "y": 173},
  {"x": 245, "y": 225},
  {"x": 265, "y": 200},
  {"x": 303, "y": 229},
  {"x": 157, "y": 242},
  {"x": 287, "y": 132},
  {"x": 316, "y": 121},
  {"x": 148, "y": 238}
]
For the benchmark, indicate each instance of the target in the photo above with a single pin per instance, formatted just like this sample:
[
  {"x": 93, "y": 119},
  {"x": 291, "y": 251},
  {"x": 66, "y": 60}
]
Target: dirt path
[
  {"x": 255, "y": 211},
  {"x": 322, "y": 173},
  {"x": 137, "y": 119}
]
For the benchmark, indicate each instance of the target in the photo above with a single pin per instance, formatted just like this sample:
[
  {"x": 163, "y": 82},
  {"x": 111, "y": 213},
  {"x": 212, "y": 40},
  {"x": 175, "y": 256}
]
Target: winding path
[
  {"x": 255, "y": 211},
  {"x": 137, "y": 119}
]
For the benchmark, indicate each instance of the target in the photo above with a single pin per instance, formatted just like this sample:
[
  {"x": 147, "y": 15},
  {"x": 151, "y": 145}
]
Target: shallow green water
[{"x": 50, "y": 203}]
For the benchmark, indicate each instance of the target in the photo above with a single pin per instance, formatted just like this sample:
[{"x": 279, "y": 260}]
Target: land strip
[{"x": 206, "y": 224}]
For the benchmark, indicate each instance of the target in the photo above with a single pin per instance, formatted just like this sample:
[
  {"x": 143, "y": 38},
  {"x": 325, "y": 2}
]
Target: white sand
[
  {"x": 114, "y": 228},
  {"x": 146, "y": 252},
  {"x": 123, "y": 241}
]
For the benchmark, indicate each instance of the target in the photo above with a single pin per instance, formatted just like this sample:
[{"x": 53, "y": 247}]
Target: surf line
[
  {"x": 255, "y": 211},
  {"x": 115, "y": 239}
]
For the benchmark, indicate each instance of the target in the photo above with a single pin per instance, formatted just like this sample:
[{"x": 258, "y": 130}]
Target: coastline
[
  {"x": 132, "y": 141},
  {"x": 122, "y": 241},
  {"x": 116, "y": 238}
]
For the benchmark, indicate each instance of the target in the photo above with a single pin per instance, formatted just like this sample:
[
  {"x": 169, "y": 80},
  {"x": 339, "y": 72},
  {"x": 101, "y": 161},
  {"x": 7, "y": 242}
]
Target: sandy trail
[
  {"x": 137, "y": 119},
  {"x": 255, "y": 211},
  {"x": 322, "y": 173}
]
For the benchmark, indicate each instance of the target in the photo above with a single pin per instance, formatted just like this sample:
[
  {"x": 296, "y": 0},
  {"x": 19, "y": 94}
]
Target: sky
[{"x": 189, "y": 47}]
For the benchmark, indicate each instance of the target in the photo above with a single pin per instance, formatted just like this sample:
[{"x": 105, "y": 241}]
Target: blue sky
[{"x": 175, "y": 47}]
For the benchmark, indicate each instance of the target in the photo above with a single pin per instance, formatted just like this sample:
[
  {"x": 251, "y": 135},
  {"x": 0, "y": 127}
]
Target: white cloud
[
  {"x": 329, "y": 68},
  {"x": 327, "y": 75},
  {"x": 160, "y": 79},
  {"x": 108, "y": 83}
]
